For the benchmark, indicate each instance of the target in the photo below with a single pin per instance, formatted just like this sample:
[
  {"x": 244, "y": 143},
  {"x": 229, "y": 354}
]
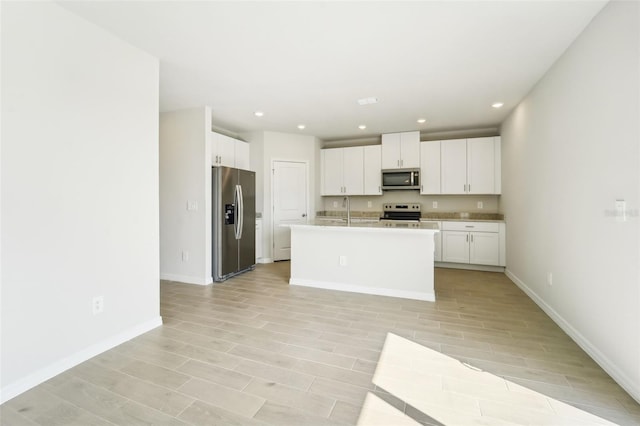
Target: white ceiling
[{"x": 308, "y": 62}]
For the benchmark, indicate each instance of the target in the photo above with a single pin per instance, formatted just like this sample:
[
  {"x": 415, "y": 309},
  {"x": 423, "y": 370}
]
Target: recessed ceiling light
[
  {"x": 301, "y": 126},
  {"x": 497, "y": 105},
  {"x": 362, "y": 127},
  {"x": 367, "y": 101},
  {"x": 422, "y": 120},
  {"x": 258, "y": 113}
]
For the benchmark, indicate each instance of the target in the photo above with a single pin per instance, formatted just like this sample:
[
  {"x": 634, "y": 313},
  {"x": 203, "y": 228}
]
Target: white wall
[
  {"x": 79, "y": 192},
  {"x": 185, "y": 176},
  {"x": 569, "y": 150},
  {"x": 267, "y": 147}
]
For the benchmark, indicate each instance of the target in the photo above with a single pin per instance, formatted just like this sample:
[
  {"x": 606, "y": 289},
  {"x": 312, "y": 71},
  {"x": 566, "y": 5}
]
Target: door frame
[{"x": 272, "y": 204}]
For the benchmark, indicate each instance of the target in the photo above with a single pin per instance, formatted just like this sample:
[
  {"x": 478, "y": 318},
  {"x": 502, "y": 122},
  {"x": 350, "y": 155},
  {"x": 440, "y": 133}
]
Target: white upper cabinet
[
  {"x": 243, "y": 157},
  {"x": 470, "y": 166},
  {"x": 332, "y": 167},
  {"x": 342, "y": 171},
  {"x": 229, "y": 152},
  {"x": 353, "y": 172},
  {"x": 373, "y": 170},
  {"x": 481, "y": 164},
  {"x": 430, "y": 167},
  {"x": 453, "y": 154},
  {"x": 401, "y": 150}
]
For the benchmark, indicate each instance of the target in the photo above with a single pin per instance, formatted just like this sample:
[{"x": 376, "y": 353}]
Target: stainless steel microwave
[{"x": 401, "y": 179}]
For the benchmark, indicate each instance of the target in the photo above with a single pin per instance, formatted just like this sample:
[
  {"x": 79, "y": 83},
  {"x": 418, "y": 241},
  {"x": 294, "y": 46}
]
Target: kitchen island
[{"x": 364, "y": 258}]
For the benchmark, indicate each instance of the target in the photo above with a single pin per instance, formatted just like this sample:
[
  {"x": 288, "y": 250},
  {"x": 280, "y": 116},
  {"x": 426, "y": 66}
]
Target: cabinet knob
[{"x": 304, "y": 215}]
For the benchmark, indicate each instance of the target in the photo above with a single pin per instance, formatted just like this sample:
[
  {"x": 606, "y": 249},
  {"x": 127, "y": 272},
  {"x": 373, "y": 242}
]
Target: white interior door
[{"x": 289, "y": 204}]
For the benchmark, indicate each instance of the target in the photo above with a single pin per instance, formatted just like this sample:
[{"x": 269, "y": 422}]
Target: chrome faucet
[{"x": 347, "y": 203}]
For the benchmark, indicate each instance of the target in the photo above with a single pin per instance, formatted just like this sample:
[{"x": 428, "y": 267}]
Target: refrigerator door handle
[
  {"x": 240, "y": 211},
  {"x": 236, "y": 207}
]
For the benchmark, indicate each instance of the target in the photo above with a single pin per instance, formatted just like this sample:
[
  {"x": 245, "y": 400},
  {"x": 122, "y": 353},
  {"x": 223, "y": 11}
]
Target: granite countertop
[
  {"x": 446, "y": 216},
  {"x": 355, "y": 223}
]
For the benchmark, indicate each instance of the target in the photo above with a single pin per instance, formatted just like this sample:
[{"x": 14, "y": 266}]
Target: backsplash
[{"x": 446, "y": 203}]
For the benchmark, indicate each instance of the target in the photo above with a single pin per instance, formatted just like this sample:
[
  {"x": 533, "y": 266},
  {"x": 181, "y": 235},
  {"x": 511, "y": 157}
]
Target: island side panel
[{"x": 389, "y": 262}]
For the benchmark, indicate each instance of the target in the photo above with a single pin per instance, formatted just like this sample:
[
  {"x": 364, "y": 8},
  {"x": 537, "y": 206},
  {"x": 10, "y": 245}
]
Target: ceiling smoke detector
[{"x": 368, "y": 101}]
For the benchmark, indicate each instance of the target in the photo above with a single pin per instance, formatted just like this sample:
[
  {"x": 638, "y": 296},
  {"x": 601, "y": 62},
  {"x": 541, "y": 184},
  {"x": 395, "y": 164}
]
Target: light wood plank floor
[{"x": 254, "y": 350}]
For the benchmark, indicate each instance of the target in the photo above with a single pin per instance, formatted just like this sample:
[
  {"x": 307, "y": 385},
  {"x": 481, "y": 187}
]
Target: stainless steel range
[{"x": 406, "y": 215}]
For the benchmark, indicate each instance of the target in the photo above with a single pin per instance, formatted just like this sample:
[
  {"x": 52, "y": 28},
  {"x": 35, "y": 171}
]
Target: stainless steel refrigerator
[{"x": 234, "y": 222}]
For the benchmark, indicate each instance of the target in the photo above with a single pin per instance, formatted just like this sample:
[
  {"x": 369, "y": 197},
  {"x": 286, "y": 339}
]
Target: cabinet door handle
[
  {"x": 469, "y": 187},
  {"x": 467, "y": 237},
  {"x": 379, "y": 189},
  {"x": 471, "y": 237}
]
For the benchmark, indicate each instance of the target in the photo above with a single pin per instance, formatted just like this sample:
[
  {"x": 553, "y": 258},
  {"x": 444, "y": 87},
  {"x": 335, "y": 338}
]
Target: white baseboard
[
  {"x": 265, "y": 260},
  {"x": 429, "y": 297},
  {"x": 602, "y": 360},
  {"x": 22, "y": 385},
  {"x": 186, "y": 279},
  {"x": 469, "y": 267}
]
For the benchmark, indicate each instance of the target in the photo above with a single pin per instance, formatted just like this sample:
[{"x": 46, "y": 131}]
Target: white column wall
[
  {"x": 185, "y": 177},
  {"x": 569, "y": 151},
  {"x": 79, "y": 192}
]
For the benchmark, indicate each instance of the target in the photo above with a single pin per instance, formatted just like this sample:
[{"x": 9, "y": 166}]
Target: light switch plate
[{"x": 621, "y": 210}]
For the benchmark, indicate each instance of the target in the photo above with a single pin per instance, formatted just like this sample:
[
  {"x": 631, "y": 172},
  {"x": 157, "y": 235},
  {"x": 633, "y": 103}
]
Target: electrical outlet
[
  {"x": 192, "y": 205},
  {"x": 434, "y": 204},
  {"x": 97, "y": 305},
  {"x": 185, "y": 256},
  {"x": 335, "y": 204},
  {"x": 343, "y": 260},
  {"x": 369, "y": 204},
  {"x": 480, "y": 205},
  {"x": 550, "y": 279}
]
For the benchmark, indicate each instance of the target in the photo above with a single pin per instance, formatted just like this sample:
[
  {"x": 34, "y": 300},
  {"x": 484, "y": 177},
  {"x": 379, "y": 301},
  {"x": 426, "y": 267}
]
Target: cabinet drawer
[{"x": 471, "y": 226}]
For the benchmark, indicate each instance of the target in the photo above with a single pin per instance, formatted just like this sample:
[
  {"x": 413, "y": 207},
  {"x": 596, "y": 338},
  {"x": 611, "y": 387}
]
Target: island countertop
[{"x": 370, "y": 225}]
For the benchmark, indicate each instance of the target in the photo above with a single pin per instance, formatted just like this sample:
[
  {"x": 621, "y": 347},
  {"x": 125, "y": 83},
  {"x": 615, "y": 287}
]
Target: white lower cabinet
[
  {"x": 484, "y": 248},
  {"x": 437, "y": 255},
  {"x": 475, "y": 243},
  {"x": 455, "y": 246}
]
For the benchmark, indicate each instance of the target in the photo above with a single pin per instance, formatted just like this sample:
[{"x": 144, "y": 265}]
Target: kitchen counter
[
  {"x": 365, "y": 257},
  {"x": 370, "y": 224},
  {"x": 437, "y": 216}
]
